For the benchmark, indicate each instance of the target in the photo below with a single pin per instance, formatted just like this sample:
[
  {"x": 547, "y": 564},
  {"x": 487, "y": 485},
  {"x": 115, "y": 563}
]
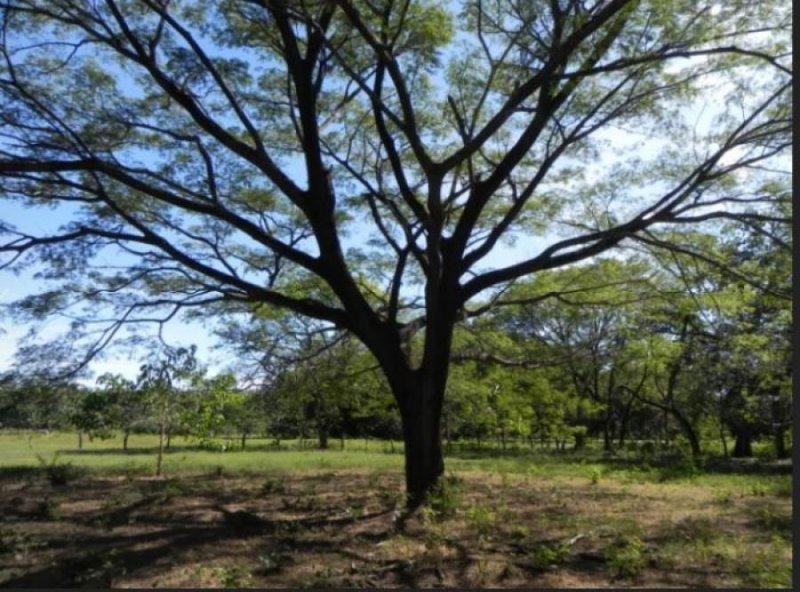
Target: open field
[{"x": 307, "y": 518}]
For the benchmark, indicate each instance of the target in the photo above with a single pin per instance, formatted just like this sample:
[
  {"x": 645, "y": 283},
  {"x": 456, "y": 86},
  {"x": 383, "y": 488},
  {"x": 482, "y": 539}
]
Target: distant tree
[
  {"x": 35, "y": 403},
  {"x": 93, "y": 415},
  {"x": 163, "y": 379},
  {"x": 127, "y": 403}
]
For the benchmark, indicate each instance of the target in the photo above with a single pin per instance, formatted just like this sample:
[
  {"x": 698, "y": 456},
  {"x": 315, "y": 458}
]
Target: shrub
[
  {"x": 544, "y": 556},
  {"x": 443, "y": 501},
  {"x": 626, "y": 557},
  {"x": 58, "y": 473},
  {"x": 481, "y": 519}
]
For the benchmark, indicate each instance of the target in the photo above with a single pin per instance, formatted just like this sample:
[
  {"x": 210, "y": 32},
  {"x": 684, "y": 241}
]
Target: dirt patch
[{"x": 340, "y": 530}]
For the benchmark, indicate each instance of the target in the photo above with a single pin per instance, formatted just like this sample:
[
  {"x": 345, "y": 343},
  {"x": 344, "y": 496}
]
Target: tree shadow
[{"x": 110, "y": 550}]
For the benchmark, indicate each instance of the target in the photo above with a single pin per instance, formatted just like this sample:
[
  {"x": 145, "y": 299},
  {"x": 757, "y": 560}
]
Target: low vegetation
[{"x": 270, "y": 517}]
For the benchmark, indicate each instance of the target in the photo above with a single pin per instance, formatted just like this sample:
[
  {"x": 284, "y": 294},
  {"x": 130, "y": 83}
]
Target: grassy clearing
[{"x": 274, "y": 518}]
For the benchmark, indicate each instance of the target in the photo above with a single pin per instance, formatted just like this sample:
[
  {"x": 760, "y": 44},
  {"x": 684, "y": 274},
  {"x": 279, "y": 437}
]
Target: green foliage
[
  {"x": 234, "y": 576},
  {"x": 443, "y": 501},
  {"x": 544, "y": 556},
  {"x": 58, "y": 473},
  {"x": 481, "y": 519},
  {"x": 626, "y": 557}
]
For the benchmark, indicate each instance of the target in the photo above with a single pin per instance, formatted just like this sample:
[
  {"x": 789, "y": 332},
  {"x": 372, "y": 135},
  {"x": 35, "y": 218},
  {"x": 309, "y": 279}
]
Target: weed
[
  {"x": 626, "y": 557},
  {"x": 49, "y": 510},
  {"x": 545, "y": 556},
  {"x": 724, "y": 497},
  {"x": 481, "y": 519},
  {"x": 233, "y": 577},
  {"x": 594, "y": 475},
  {"x": 273, "y": 486},
  {"x": 767, "y": 567},
  {"x": 782, "y": 488},
  {"x": 323, "y": 577},
  {"x": 520, "y": 532},
  {"x": 442, "y": 503},
  {"x": 172, "y": 488},
  {"x": 58, "y": 473},
  {"x": 771, "y": 519}
]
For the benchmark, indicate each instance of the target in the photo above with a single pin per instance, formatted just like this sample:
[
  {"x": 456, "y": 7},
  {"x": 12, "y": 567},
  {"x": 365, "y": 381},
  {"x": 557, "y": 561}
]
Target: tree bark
[
  {"x": 689, "y": 432},
  {"x": 322, "y": 434},
  {"x": 244, "y": 440},
  {"x": 423, "y": 446},
  {"x": 80, "y": 440},
  {"x": 125, "y": 441},
  {"x": 743, "y": 448},
  {"x": 780, "y": 444},
  {"x": 160, "y": 458}
]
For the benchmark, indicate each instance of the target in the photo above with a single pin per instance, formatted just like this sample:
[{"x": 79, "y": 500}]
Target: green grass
[
  {"x": 106, "y": 456},
  {"x": 26, "y": 450}
]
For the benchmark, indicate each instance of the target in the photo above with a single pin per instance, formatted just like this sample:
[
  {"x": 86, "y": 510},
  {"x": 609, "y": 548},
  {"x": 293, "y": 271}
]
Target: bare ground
[{"x": 340, "y": 530}]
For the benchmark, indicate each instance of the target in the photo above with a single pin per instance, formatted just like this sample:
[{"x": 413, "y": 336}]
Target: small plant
[
  {"x": 481, "y": 519},
  {"x": 48, "y": 510},
  {"x": 373, "y": 480},
  {"x": 233, "y": 577},
  {"x": 443, "y": 501},
  {"x": 172, "y": 488},
  {"x": 322, "y": 578},
  {"x": 724, "y": 497},
  {"x": 594, "y": 475},
  {"x": 545, "y": 556},
  {"x": 520, "y": 532},
  {"x": 626, "y": 557},
  {"x": 273, "y": 486},
  {"x": 58, "y": 473}
]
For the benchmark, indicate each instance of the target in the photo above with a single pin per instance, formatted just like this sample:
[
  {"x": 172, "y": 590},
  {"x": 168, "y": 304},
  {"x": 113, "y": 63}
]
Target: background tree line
[{"x": 654, "y": 348}]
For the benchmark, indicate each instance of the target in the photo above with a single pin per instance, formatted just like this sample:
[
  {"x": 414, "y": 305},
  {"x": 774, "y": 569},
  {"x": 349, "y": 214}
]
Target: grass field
[{"x": 271, "y": 517}]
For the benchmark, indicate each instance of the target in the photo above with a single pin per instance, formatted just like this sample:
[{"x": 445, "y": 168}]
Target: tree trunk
[
  {"x": 244, "y": 440},
  {"x": 322, "y": 434},
  {"x": 80, "y": 440},
  {"x": 743, "y": 448},
  {"x": 160, "y": 458},
  {"x": 125, "y": 441},
  {"x": 688, "y": 431},
  {"x": 724, "y": 440},
  {"x": 607, "y": 445},
  {"x": 780, "y": 444},
  {"x": 421, "y": 416},
  {"x": 169, "y": 439}
]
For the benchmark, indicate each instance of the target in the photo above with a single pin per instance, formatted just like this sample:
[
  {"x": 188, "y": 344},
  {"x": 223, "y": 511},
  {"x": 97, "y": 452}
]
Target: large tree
[{"x": 359, "y": 161}]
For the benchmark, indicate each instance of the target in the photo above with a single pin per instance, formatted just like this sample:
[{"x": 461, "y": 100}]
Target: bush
[
  {"x": 58, "y": 473},
  {"x": 626, "y": 557},
  {"x": 443, "y": 501}
]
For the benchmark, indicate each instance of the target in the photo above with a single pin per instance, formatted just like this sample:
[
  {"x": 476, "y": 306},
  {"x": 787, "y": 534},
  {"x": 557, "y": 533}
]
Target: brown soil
[{"x": 340, "y": 530}]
